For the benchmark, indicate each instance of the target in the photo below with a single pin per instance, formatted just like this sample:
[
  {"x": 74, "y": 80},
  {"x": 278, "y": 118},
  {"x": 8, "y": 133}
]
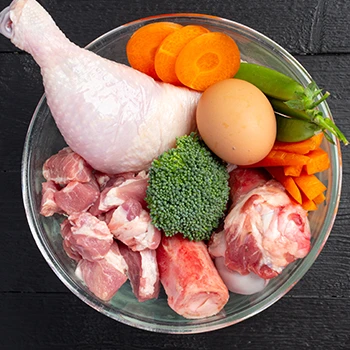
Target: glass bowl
[{"x": 43, "y": 140}]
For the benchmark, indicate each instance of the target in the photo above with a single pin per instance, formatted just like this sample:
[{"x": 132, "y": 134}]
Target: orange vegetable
[
  {"x": 319, "y": 161},
  {"x": 207, "y": 59},
  {"x": 310, "y": 185},
  {"x": 308, "y": 204},
  {"x": 281, "y": 158},
  {"x": 320, "y": 198},
  {"x": 301, "y": 147},
  {"x": 169, "y": 50},
  {"x": 142, "y": 46},
  {"x": 287, "y": 182},
  {"x": 293, "y": 170}
]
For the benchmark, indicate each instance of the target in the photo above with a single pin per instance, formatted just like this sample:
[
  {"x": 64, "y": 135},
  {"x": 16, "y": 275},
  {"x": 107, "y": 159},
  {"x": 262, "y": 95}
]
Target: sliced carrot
[
  {"x": 310, "y": 185},
  {"x": 142, "y": 46},
  {"x": 287, "y": 182},
  {"x": 207, "y": 59},
  {"x": 320, "y": 198},
  {"x": 319, "y": 161},
  {"x": 308, "y": 204},
  {"x": 281, "y": 158},
  {"x": 301, "y": 147},
  {"x": 293, "y": 170},
  {"x": 170, "y": 48}
]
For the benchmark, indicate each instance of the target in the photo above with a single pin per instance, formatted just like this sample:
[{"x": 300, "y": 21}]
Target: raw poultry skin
[{"x": 115, "y": 117}]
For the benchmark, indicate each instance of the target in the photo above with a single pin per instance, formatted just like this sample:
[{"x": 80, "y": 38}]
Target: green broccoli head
[{"x": 188, "y": 189}]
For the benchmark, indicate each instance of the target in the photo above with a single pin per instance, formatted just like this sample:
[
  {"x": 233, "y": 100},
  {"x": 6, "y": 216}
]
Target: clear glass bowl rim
[{"x": 229, "y": 320}]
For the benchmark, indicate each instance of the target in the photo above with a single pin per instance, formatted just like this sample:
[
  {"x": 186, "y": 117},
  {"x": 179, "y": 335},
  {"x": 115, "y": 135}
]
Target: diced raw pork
[
  {"x": 104, "y": 277},
  {"x": 131, "y": 224},
  {"x": 142, "y": 272},
  {"x": 114, "y": 116},
  {"x": 190, "y": 279},
  {"x": 77, "y": 197},
  {"x": 265, "y": 230},
  {"x": 123, "y": 187},
  {"x": 88, "y": 236},
  {"x": 69, "y": 248},
  {"x": 66, "y": 166},
  {"x": 48, "y": 204}
]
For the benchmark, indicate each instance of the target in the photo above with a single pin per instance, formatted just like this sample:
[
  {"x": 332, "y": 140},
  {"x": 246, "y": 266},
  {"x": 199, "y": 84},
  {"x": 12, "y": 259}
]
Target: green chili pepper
[
  {"x": 294, "y": 130},
  {"x": 289, "y": 97}
]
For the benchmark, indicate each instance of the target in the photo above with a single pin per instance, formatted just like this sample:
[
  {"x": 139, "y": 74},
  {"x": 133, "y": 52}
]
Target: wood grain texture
[{"x": 38, "y": 312}]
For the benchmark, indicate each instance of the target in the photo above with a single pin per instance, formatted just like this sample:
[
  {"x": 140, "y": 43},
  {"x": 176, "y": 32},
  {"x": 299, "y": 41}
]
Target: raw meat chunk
[
  {"x": 48, "y": 203},
  {"x": 131, "y": 224},
  {"x": 68, "y": 243},
  {"x": 77, "y": 197},
  {"x": 66, "y": 166},
  {"x": 142, "y": 272},
  {"x": 104, "y": 277},
  {"x": 265, "y": 230},
  {"x": 190, "y": 279},
  {"x": 88, "y": 236}
]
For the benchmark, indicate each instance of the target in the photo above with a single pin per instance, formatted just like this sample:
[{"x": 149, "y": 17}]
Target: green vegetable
[
  {"x": 301, "y": 102},
  {"x": 294, "y": 130},
  {"x": 188, "y": 189}
]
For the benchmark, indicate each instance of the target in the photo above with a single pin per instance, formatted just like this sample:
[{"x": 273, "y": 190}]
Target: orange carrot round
[
  {"x": 142, "y": 46},
  {"x": 170, "y": 48},
  {"x": 207, "y": 59}
]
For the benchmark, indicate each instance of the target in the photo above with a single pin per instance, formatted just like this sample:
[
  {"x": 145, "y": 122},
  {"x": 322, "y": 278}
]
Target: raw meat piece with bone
[
  {"x": 122, "y": 119},
  {"x": 264, "y": 230}
]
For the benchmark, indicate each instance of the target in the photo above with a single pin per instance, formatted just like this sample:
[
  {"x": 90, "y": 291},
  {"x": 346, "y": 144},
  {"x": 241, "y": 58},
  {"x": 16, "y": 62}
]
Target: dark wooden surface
[{"x": 38, "y": 312}]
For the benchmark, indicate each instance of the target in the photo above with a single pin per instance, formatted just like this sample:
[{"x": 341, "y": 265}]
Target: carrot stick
[
  {"x": 207, "y": 59},
  {"x": 293, "y": 170},
  {"x": 308, "y": 204},
  {"x": 142, "y": 46},
  {"x": 310, "y": 185},
  {"x": 301, "y": 147},
  {"x": 287, "y": 182},
  {"x": 281, "y": 158},
  {"x": 320, "y": 198},
  {"x": 169, "y": 50},
  {"x": 319, "y": 161}
]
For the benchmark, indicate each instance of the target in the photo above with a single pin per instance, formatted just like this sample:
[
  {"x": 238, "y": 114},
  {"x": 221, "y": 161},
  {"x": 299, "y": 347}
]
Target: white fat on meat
[
  {"x": 142, "y": 272},
  {"x": 66, "y": 166},
  {"x": 131, "y": 224},
  {"x": 120, "y": 189},
  {"x": 104, "y": 277},
  {"x": 117, "y": 118},
  {"x": 237, "y": 283},
  {"x": 48, "y": 205},
  {"x": 88, "y": 236}
]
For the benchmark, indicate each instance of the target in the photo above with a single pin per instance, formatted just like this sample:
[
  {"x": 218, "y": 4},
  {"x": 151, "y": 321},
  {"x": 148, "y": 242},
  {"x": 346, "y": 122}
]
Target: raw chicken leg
[{"x": 115, "y": 117}]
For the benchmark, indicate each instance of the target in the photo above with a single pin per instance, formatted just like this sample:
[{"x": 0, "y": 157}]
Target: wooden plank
[
  {"x": 61, "y": 321},
  {"x": 313, "y": 21}
]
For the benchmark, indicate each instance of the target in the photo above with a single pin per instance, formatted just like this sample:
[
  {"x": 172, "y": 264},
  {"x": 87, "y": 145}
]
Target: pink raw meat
[
  {"x": 131, "y": 224},
  {"x": 265, "y": 230},
  {"x": 142, "y": 272},
  {"x": 48, "y": 204},
  {"x": 88, "y": 236},
  {"x": 77, "y": 197},
  {"x": 190, "y": 279},
  {"x": 104, "y": 277},
  {"x": 66, "y": 166},
  {"x": 116, "y": 118},
  {"x": 121, "y": 188},
  {"x": 68, "y": 244}
]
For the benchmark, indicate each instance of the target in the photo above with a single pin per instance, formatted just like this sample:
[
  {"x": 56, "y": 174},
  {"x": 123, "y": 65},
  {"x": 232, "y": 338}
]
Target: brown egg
[{"x": 236, "y": 121}]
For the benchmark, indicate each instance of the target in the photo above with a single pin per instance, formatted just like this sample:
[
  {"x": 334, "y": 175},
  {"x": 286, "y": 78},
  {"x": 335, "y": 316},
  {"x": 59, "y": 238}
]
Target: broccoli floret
[{"x": 188, "y": 189}]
